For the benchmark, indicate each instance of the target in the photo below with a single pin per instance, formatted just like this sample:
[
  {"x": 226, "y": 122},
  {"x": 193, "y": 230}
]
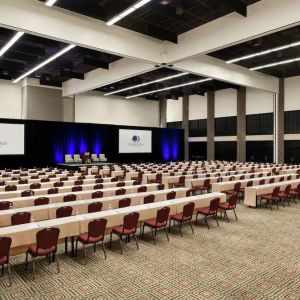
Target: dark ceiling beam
[
  {"x": 20, "y": 56},
  {"x": 71, "y": 74},
  {"x": 5, "y": 77},
  {"x": 30, "y": 50},
  {"x": 39, "y": 40},
  {"x": 50, "y": 82},
  {"x": 12, "y": 65},
  {"x": 94, "y": 62},
  {"x": 236, "y": 5}
]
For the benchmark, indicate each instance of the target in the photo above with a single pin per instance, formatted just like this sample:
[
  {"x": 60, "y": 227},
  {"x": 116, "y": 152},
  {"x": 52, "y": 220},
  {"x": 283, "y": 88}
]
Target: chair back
[
  {"x": 77, "y": 188},
  {"x": 276, "y": 191},
  {"x": 242, "y": 177},
  {"x": 98, "y": 194},
  {"x": 287, "y": 189},
  {"x": 20, "y": 218},
  {"x": 281, "y": 179},
  {"x": 52, "y": 191},
  {"x": 142, "y": 189},
  {"x": 120, "y": 184},
  {"x": 47, "y": 239},
  {"x": 160, "y": 187},
  {"x": 220, "y": 179},
  {"x": 120, "y": 192},
  {"x": 58, "y": 184},
  {"x": 81, "y": 177},
  {"x": 27, "y": 193},
  {"x": 10, "y": 188},
  {"x": 124, "y": 202},
  {"x": 23, "y": 181},
  {"x": 64, "y": 211},
  {"x": 188, "y": 210},
  {"x": 237, "y": 187},
  {"x": 114, "y": 179},
  {"x": 5, "y": 243},
  {"x": 41, "y": 201},
  {"x": 97, "y": 228},
  {"x": 35, "y": 186},
  {"x": 206, "y": 183},
  {"x": 195, "y": 176},
  {"x": 95, "y": 207},
  {"x": 262, "y": 181},
  {"x": 214, "y": 204},
  {"x": 158, "y": 176},
  {"x": 4, "y": 205},
  {"x": 130, "y": 221},
  {"x": 99, "y": 180},
  {"x": 233, "y": 200},
  {"x": 190, "y": 193},
  {"x": 45, "y": 180},
  {"x": 252, "y": 176},
  {"x": 149, "y": 199},
  {"x": 70, "y": 197},
  {"x": 207, "y": 175},
  {"x": 182, "y": 180},
  {"x": 171, "y": 195},
  {"x": 65, "y": 178},
  {"x": 289, "y": 177},
  {"x": 250, "y": 183},
  {"x": 272, "y": 180},
  {"x": 78, "y": 182},
  {"x": 162, "y": 215},
  {"x": 98, "y": 186},
  {"x": 231, "y": 178}
]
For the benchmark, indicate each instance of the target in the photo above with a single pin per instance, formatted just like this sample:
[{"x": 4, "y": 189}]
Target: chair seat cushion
[
  {"x": 268, "y": 197},
  {"x": 3, "y": 260},
  {"x": 205, "y": 211},
  {"x": 119, "y": 230},
  {"x": 152, "y": 223},
  {"x": 228, "y": 192},
  {"x": 281, "y": 195},
  {"x": 84, "y": 238},
  {"x": 294, "y": 193},
  {"x": 178, "y": 217},
  {"x": 40, "y": 252},
  {"x": 200, "y": 187}
]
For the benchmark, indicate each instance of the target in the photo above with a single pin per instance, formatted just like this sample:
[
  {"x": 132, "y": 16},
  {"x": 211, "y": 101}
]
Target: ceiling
[
  {"x": 31, "y": 50},
  {"x": 277, "y": 39},
  {"x": 161, "y": 19},
  {"x": 199, "y": 89}
]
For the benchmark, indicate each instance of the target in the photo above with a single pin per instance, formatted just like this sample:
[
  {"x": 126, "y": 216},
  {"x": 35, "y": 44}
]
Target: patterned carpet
[{"x": 257, "y": 257}]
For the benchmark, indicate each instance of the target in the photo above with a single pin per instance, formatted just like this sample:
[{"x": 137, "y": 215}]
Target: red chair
[
  {"x": 45, "y": 180},
  {"x": 157, "y": 179},
  {"x": 64, "y": 178},
  {"x": 20, "y": 218},
  {"x": 46, "y": 244},
  {"x": 230, "y": 205},
  {"x": 120, "y": 192},
  {"x": 120, "y": 184},
  {"x": 180, "y": 183},
  {"x": 23, "y": 181},
  {"x": 77, "y": 188},
  {"x": 190, "y": 193},
  {"x": 236, "y": 189},
  {"x": 137, "y": 182},
  {"x": 295, "y": 193},
  {"x": 161, "y": 221},
  {"x": 95, "y": 207},
  {"x": 281, "y": 179},
  {"x": 58, "y": 184},
  {"x": 211, "y": 210},
  {"x": 64, "y": 211},
  {"x": 98, "y": 194},
  {"x": 10, "y": 188},
  {"x": 205, "y": 187},
  {"x": 27, "y": 193},
  {"x": 99, "y": 180},
  {"x": 149, "y": 199},
  {"x": 220, "y": 179},
  {"x": 271, "y": 198},
  {"x": 272, "y": 180},
  {"x": 171, "y": 195},
  {"x": 289, "y": 177},
  {"x": 95, "y": 234},
  {"x": 4, "y": 205},
  {"x": 69, "y": 198},
  {"x": 130, "y": 223},
  {"x": 184, "y": 217},
  {"x": 78, "y": 182},
  {"x": 262, "y": 182},
  {"x": 142, "y": 189},
  {"x": 98, "y": 186},
  {"x": 35, "y": 186},
  {"x": 5, "y": 243},
  {"x": 53, "y": 191},
  {"x": 249, "y": 184},
  {"x": 41, "y": 201},
  {"x": 160, "y": 187},
  {"x": 124, "y": 202},
  {"x": 285, "y": 196}
]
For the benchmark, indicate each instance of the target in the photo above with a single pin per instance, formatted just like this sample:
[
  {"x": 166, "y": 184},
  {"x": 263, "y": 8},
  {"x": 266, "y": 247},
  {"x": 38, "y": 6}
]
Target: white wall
[
  {"x": 93, "y": 107},
  {"x": 198, "y": 107},
  {"x": 174, "y": 110},
  {"x": 225, "y": 103},
  {"x": 10, "y": 100},
  {"x": 292, "y": 93},
  {"x": 258, "y": 102}
]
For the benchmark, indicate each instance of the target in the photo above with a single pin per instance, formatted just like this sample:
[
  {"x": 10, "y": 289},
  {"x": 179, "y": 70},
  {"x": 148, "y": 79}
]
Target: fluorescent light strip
[
  {"x": 146, "y": 83},
  {"x": 11, "y": 42},
  {"x": 47, "y": 61},
  {"x": 126, "y": 12},
  {"x": 283, "y": 62},
  {"x": 170, "y": 87},
  {"x": 296, "y": 44},
  {"x": 50, "y": 2}
]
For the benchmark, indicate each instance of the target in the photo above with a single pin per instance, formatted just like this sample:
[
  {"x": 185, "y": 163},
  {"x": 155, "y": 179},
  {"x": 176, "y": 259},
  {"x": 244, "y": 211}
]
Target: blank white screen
[
  {"x": 12, "y": 139},
  {"x": 135, "y": 141}
]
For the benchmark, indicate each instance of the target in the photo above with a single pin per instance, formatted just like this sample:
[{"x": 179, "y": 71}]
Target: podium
[{"x": 86, "y": 158}]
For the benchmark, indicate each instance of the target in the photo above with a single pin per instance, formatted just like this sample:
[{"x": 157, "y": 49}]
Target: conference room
[{"x": 149, "y": 149}]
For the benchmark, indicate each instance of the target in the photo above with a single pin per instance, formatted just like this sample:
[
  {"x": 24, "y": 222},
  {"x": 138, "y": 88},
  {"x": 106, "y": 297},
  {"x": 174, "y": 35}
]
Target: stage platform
[{"x": 77, "y": 166}]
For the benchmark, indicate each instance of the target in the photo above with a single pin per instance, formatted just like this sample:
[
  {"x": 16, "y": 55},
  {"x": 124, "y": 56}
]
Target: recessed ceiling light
[
  {"x": 50, "y": 2},
  {"x": 283, "y": 62}
]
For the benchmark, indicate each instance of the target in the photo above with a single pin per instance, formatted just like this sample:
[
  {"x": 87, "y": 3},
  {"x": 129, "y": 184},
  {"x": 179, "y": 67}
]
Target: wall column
[
  {"x": 241, "y": 124},
  {"x": 279, "y": 123},
  {"x": 185, "y": 125},
  {"x": 211, "y": 125},
  {"x": 163, "y": 113}
]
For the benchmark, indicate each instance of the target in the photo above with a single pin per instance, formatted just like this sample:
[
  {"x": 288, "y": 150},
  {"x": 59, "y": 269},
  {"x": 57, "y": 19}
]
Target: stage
[{"x": 77, "y": 166}]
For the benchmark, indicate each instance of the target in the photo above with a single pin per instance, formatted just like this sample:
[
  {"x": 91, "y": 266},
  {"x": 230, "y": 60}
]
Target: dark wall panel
[
  {"x": 47, "y": 142},
  {"x": 292, "y": 122},
  {"x": 259, "y": 151},
  {"x": 292, "y": 152},
  {"x": 226, "y": 126},
  {"x": 259, "y": 124},
  {"x": 174, "y": 125},
  {"x": 198, "y": 151},
  {"x": 225, "y": 150},
  {"x": 198, "y": 128}
]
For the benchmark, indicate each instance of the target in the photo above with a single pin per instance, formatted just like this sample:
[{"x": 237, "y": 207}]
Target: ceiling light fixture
[
  {"x": 47, "y": 61},
  {"x": 263, "y": 52},
  {"x": 11, "y": 42},
  {"x": 283, "y": 62},
  {"x": 126, "y": 12},
  {"x": 146, "y": 83},
  {"x": 50, "y": 2},
  {"x": 170, "y": 87}
]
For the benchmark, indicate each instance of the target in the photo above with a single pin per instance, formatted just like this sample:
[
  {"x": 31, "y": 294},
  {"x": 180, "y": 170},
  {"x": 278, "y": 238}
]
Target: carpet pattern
[{"x": 256, "y": 257}]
